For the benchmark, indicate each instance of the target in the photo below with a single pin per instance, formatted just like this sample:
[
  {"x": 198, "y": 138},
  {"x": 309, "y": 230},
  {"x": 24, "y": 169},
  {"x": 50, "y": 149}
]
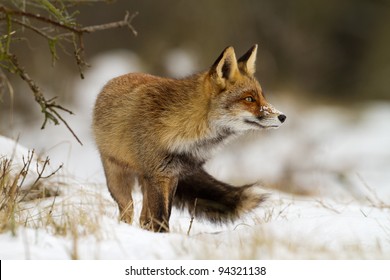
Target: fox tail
[{"x": 214, "y": 200}]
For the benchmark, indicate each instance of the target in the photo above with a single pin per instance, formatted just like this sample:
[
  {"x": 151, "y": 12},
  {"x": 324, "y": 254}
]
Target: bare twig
[
  {"x": 326, "y": 206},
  {"x": 375, "y": 201},
  {"x": 13, "y": 190},
  {"x": 192, "y": 217},
  {"x": 126, "y": 22},
  {"x": 26, "y": 167},
  {"x": 48, "y": 107},
  {"x": 52, "y": 109}
]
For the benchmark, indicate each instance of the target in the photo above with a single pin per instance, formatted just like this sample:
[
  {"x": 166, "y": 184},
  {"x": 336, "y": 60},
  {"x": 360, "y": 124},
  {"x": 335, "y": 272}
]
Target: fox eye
[{"x": 249, "y": 99}]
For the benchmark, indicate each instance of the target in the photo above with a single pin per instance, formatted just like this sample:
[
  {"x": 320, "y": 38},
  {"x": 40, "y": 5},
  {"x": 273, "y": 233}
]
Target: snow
[{"x": 326, "y": 170}]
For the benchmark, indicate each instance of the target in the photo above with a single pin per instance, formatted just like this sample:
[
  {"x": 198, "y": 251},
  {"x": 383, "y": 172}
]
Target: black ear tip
[
  {"x": 221, "y": 56},
  {"x": 248, "y": 54}
]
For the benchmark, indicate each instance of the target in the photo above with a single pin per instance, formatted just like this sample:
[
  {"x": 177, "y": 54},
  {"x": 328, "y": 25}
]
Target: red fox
[{"x": 161, "y": 131}]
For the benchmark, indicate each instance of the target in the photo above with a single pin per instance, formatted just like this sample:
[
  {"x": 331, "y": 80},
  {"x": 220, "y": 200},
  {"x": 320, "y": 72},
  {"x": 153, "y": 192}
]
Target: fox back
[{"x": 161, "y": 131}]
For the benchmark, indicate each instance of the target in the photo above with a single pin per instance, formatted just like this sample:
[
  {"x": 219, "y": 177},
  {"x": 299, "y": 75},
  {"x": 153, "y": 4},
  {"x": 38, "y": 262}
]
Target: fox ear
[
  {"x": 225, "y": 67},
  {"x": 247, "y": 62}
]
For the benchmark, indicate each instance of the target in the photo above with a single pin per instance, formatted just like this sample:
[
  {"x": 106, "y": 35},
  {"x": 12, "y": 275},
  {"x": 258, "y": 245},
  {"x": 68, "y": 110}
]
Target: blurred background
[{"x": 325, "y": 63}]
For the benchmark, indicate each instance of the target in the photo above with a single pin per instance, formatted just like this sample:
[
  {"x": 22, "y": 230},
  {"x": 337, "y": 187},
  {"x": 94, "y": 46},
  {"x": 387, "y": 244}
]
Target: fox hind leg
[{"x": 120, "y": 182}]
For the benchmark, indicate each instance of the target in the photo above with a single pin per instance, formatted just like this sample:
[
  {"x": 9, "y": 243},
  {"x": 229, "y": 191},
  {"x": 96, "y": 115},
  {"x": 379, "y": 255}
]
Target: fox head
[{"x": 238, "y": 101}]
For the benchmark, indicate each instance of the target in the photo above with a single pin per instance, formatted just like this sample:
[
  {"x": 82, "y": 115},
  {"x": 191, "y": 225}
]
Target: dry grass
[
  {"x": 47, "y": 203},
  {"x": 76, "y": 213},
  {"x": 14, "y": 190}
]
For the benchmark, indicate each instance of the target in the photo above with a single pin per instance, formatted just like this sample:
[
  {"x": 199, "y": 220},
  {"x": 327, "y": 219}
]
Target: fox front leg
[{"x": 158, "y": 193}]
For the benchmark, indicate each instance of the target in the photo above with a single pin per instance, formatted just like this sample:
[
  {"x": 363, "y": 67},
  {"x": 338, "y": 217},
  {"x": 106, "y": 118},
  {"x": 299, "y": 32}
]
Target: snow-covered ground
[{"x": 327, "y": 171}]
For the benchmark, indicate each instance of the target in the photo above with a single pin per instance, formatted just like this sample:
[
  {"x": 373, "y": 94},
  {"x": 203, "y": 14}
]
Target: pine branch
[
  {"x": 48, "y": 107},
  {"x": 62, "y": 29},
  {"x": 126, "y": 22}
]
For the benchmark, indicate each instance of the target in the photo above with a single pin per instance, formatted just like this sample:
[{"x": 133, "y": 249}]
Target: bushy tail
[{"x": 215, "y": 200}]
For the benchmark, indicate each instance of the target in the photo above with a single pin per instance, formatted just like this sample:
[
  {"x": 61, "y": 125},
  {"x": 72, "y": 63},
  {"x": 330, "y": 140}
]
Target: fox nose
[{"x": 282, "y": 118}]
